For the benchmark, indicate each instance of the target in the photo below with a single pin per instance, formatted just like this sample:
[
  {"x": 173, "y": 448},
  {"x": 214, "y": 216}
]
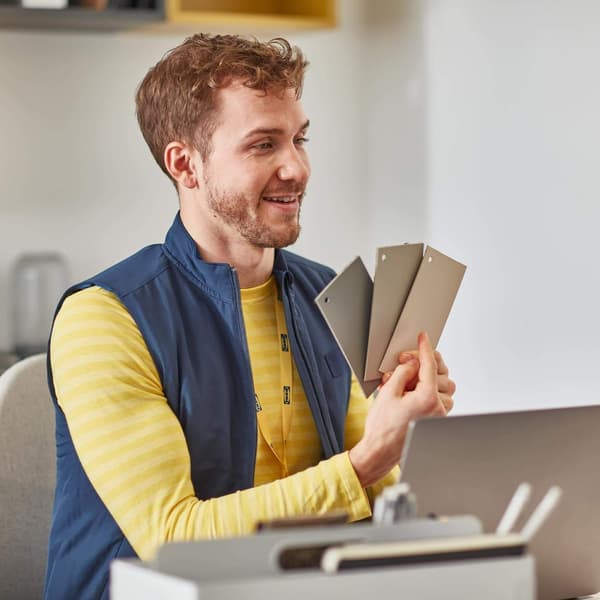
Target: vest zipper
[{"x": 246, "y": 353}]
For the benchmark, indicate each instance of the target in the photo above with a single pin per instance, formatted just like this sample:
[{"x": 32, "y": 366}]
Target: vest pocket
[{"x": 336, "y": 362}]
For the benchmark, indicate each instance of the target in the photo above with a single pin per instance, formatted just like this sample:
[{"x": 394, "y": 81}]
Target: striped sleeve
[{"x": 133, "y": 449}]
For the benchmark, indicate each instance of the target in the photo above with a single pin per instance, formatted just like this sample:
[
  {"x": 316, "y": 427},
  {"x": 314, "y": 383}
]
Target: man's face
[{"x": 257, "y": 169}]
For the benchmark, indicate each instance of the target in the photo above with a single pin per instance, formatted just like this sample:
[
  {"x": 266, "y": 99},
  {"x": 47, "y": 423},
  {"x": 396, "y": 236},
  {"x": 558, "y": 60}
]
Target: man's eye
[
  {"x": 301, "y": 141},
  {"x": 263, "y": 146}
]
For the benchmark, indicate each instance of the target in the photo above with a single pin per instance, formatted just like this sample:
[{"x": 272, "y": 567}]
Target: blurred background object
[
  {"x": 39, "y": 279},
  {"x": 94, "y": 4},
  {"x": 48, "y": 4}
]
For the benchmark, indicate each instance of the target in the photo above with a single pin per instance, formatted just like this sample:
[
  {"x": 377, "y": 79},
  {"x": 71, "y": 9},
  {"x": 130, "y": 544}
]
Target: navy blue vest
[{"x": 189, "y": 314}]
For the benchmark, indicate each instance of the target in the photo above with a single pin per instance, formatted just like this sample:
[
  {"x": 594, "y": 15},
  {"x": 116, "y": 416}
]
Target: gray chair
[{"x": 27, "y": 477}]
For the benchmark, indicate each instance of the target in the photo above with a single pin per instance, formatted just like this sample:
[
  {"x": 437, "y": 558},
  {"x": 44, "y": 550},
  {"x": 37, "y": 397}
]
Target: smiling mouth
[
  {"x": 285, "y": 198},
  {"x": 282, "y": 199}
]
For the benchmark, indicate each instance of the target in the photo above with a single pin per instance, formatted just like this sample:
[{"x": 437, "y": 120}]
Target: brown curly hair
[{"x": 176, "y": 100}]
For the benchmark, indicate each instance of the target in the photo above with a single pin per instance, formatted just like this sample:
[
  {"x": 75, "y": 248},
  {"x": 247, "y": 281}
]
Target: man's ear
[{"x": 181, "y": 162}]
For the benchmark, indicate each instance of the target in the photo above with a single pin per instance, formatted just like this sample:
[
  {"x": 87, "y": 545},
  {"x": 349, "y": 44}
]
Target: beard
[{"x": 241, "y": 212}]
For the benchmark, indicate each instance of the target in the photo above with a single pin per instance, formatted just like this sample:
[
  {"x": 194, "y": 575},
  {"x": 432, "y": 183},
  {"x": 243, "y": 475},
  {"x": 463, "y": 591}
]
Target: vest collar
[{"x": 220, "y": 278}]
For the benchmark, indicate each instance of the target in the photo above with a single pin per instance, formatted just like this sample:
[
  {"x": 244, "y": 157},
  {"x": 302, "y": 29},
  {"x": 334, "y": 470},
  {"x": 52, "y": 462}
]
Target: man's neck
[{"x": 254, "y": 265}]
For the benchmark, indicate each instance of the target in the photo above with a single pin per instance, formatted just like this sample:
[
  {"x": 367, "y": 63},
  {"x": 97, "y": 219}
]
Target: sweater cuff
[
  {"x": 390, "y": 479},
  {"x": 356, "y": 498}
]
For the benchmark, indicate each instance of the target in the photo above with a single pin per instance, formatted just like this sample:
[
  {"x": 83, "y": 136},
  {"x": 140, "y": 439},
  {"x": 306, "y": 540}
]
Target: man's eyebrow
[{"x": 273, "y": 130}]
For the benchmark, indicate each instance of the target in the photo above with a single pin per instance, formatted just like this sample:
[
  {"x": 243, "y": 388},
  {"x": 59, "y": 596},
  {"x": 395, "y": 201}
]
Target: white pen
[
  {"x": 514, "y": 508},
  {"x": 541, "y": 512}
]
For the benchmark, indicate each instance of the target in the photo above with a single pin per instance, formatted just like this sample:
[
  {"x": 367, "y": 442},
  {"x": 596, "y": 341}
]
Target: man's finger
[
  {"x": 442, "y": 369},
  {"x": 404, "y": 357},
  {"x": 402, "y": 376},
  {"x": 447, "y": 402},
  {"x": 446, "y": 385},
  {"x": 427, "y": 363},
  {"x": 386, "y": 377}
]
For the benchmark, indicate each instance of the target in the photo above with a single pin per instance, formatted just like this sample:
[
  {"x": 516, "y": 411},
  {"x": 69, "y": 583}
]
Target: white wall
[
  {"x": 75, "y": 173},
  {"x": 482, "y": 128},
  {"x": 393, "y": 124},
  {"x": 514, "y": 163}
]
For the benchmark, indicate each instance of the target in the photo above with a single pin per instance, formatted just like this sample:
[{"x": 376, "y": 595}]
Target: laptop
[{"x": 472, "y": 464}]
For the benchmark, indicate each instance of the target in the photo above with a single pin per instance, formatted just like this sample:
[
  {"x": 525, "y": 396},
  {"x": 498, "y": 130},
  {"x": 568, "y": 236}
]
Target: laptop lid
[{"x": 472, "y": 464}]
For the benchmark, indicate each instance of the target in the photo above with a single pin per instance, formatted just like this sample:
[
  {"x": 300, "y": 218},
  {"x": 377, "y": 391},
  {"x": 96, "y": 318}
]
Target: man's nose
[{"x": 294, "y": 166}]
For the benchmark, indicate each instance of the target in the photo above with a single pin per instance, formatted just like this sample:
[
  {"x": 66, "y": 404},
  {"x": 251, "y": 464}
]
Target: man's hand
[
  {"x": 446, "y": 387},
  {"x": 418, "y": 387}
]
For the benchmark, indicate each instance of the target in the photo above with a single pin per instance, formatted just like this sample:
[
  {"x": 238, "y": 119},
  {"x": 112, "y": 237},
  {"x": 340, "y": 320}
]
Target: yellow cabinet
[
  {"x": 253, "y": 13},
  {"x": 175, "y": 15}
]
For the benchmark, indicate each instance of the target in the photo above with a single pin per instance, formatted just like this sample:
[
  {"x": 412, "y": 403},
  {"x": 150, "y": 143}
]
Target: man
[{"x": 197, "y": 388}]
